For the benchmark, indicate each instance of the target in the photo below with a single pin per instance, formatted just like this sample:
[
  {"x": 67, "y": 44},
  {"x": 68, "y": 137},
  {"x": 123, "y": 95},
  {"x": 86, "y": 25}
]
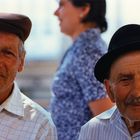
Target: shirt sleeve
[
  {"x": 90, "y": 130},
  {"x": 84, "y": 134},
  {"x": 84, "y": 64},
  {"x": 47, "y": 131}
]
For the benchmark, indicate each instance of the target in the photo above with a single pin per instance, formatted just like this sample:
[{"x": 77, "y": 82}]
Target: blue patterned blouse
[{"x": 75, "y": 86}]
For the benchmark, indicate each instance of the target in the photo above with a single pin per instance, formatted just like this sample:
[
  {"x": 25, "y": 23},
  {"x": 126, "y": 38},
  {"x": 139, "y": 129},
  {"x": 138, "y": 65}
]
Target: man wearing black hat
[
  {"x": 20, "y": 117},
  {"x": 119, "y": 70}
]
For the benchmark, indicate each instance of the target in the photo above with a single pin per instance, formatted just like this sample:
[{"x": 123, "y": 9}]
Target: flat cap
[
  {"x": 125, "y": 39},
  {"x": 17, "y": 24}
]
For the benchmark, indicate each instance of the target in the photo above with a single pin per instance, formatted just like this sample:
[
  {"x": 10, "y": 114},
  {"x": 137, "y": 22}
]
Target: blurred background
[{"x": 46, "y": 44}]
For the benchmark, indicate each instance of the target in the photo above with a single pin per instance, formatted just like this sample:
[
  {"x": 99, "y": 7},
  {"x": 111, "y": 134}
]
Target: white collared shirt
[
  {"x": 107, "y": 126},
  {"x": 23, "y": 119}
]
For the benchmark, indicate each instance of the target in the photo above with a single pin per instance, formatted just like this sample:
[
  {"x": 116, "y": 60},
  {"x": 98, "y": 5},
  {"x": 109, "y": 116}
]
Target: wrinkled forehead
[{"x": 8, "y": 35}]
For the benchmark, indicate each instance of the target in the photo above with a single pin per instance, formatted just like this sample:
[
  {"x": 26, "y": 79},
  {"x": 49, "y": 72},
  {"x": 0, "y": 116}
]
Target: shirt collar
[
  {"x": 107, "y": 114},
  {"x": 89, "y": 33},
  {"x": 13, "y": 103}
]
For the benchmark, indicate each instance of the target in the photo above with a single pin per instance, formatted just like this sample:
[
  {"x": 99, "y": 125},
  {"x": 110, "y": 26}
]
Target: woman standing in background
[{"x": 78, "y": 96}]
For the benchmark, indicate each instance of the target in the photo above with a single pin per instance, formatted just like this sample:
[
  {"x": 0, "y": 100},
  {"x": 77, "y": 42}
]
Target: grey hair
[{"x": 21, "y": 48}]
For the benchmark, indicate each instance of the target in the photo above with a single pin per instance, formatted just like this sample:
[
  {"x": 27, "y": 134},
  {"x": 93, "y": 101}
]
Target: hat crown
[
  {"x": 15, "y": 23},
  {"x": 126, "y": 35},
  {"x": 125, "y": 39}
]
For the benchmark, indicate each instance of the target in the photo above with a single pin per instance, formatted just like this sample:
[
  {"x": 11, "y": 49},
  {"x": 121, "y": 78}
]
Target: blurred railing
[{"x": 35, "y": 81}]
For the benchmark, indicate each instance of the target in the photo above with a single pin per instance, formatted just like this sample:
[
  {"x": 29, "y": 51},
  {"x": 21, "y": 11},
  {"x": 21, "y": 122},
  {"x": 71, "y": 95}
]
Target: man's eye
[
  {"x": 125, "y": 81},
  {"x": 8, "y": 53},
  {"x": 126, "y": 78}
]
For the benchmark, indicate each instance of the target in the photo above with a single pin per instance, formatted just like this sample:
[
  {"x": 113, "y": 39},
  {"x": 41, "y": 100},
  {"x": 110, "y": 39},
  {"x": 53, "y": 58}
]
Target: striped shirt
[
  {"x": 107, "y": 126},
  {"x": 23, "y": 119}
]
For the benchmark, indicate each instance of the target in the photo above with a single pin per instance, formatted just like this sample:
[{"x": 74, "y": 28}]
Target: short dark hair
[{"x": 97, "y": 12}]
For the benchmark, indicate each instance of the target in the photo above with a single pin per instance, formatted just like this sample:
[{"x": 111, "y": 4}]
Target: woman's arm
[{"x": 100, "y": 105}]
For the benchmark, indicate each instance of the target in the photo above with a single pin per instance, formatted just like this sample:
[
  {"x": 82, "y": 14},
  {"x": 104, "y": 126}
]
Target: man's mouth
[{"x": 133, "y": 101}]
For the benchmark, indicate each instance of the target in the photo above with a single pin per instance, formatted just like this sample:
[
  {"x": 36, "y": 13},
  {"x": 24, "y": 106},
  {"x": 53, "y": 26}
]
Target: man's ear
[
  {"x": 22, "y": 61},
  {"x": 109, "y": 90}
]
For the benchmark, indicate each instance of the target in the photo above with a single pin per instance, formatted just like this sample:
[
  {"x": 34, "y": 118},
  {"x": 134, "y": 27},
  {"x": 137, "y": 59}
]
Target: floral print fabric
[{"x": 74, "y": 84}]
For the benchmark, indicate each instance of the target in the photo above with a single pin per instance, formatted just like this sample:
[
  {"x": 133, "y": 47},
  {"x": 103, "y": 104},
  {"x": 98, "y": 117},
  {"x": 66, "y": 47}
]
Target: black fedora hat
[
  {"x": 17, "y": 24},
  {"x": 125, "y": 39}
]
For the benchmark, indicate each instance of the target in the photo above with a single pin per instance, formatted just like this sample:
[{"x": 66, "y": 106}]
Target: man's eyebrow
[{"x": 125, "y": 75}]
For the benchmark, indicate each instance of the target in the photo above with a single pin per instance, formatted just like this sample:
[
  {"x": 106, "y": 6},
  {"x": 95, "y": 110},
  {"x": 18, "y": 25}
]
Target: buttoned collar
[{"x": 13, "y": 103}]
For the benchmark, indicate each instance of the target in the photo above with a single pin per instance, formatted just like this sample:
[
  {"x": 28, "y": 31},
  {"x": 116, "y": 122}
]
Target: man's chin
[{"x": 131, "y": 121}]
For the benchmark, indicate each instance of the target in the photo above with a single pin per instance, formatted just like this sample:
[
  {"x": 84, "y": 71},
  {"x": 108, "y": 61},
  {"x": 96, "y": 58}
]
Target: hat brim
[{"x": 102, "y": 67}]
